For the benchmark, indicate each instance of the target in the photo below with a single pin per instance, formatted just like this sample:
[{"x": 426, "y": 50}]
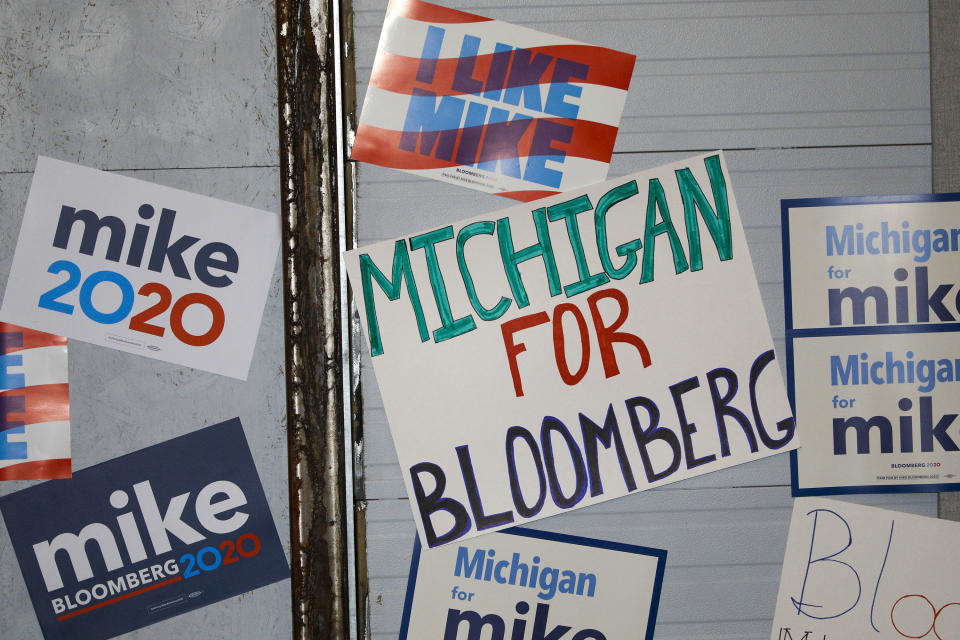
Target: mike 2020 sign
[
  {"x": 575, "y": 349},
  {"x": 142, "y": 268},
  {"x": 146, "y": 536},
  {"x": 872, "y": 321}
]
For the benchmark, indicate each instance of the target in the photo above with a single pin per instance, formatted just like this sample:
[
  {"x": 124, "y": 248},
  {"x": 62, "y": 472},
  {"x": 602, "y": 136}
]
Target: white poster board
[
  {"x": 142, "y": 268},
  {"x": 555, "y": 585},
  {"x": 861, "y": 572},
  {"x": 873, "y": 356},
  {"x": 557, "y": 354}
]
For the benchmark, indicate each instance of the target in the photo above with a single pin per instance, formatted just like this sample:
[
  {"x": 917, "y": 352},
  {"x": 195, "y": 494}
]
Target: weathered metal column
[
  {"x": 945, "y": 130},
  {"x": 321, "y": 384}
]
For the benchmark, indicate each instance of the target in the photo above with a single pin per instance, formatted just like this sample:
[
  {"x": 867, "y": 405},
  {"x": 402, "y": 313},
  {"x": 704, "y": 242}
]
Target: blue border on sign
[
  {"x": 659, "y": 554},
  {"x": 791, "y": 333}
]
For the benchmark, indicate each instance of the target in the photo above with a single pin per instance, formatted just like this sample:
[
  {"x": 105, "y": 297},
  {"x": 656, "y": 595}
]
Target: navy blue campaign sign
[
  {"x": 146, "y": 536},
  {"x": 873, "y": 360},
  {"x": 521, "y": 584}
]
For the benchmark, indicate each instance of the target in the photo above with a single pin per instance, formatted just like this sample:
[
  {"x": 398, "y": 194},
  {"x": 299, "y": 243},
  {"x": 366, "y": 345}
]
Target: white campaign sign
[
  {"x": 861, "y": 572},
  {"x": 142, "y": 268},
  {"x": 872, "y": 337},
  {"x": 532, "y": 584},
  {"x": 565, "y": 352}
]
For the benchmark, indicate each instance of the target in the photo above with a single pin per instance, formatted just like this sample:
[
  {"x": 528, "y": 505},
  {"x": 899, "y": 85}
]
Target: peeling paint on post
[{"x": 316, "y": 188}]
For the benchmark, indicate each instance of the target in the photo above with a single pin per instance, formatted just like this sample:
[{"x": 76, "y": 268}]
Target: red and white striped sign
[
  {"x": 490, "y": 105},
  {"x": 34, "y": 405}
]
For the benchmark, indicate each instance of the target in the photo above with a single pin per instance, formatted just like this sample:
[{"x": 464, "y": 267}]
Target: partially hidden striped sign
[
  {"x": 490, "y": 105},
  {"x": 34, "y": 405}
]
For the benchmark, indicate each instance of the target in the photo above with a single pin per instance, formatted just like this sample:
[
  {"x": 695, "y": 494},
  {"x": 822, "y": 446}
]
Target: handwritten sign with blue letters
[
  {"x": 852, "y": 571},
  {"x": 146, "y": 536}
]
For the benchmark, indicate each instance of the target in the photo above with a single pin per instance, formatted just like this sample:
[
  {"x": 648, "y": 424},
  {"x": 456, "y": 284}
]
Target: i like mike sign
[
  {"x": 146, "y": 536},
  {"x": 142, "y": 268},
  {"x": 490, "y": 105}
]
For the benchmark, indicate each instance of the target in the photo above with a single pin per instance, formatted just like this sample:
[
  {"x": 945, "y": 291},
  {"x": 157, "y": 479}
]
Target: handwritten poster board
[
  {"x": 489, "y": 105},
  {"x": 146, "y": 536},
  {"x": 552, "y": 584},
  {"x": 34, "y": 405},
  {"x": 554, "y": 355},
  {"x": 143, "y": 268},
  {"x": 861, "y": 572},
  {"x": 872, "y": 337}
]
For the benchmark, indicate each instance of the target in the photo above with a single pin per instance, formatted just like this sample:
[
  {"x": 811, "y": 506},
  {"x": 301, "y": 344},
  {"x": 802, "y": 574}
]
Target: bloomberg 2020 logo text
[
  {"x": 216, "y": 507},
  {"x": 212, "y": 263}
]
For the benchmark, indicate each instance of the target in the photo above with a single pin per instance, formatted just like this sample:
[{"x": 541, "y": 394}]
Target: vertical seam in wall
[{"x": 945, "y": 134}]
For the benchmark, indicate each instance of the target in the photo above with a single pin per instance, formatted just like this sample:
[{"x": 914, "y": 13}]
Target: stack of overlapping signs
[{"x": 165, "y": 274}]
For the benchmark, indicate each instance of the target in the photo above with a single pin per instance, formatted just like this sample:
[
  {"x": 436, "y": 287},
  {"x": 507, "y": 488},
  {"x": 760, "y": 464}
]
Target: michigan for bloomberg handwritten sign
[{"x": 569, "y": 351}]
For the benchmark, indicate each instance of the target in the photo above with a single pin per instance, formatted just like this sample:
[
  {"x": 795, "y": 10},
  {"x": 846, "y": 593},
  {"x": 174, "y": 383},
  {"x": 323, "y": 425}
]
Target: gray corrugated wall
[{"x": 808, "y": 98}]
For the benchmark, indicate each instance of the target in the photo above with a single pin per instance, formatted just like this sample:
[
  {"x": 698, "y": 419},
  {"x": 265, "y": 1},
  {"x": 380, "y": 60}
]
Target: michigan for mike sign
[
  {"x": 554, "y": 355},
  {"x": 489, "y": 105},
  {"x": 522, "y": 584},
  {"x": 34, "y": 405},
  {"x": 872, "y": 328},
  {"x": 146, "y": 536},
  {"x": 141, "y": 267}
]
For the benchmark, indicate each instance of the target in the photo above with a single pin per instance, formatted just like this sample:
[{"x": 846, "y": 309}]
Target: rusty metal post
[{"x": 317, "y": 217}]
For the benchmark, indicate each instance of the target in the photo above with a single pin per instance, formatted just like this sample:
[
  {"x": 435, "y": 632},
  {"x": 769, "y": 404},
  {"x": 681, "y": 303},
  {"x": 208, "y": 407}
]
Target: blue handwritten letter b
[{"x": 806, "y": 604}]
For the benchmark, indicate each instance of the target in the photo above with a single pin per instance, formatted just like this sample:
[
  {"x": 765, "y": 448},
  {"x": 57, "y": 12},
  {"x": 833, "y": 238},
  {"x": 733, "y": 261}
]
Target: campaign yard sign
[
  {"x": 521, "y": 584},
  {"x": 146, "y": 536},
  {"x": 852, "y": 571},
  {"x": 34, "y": 405},
  {"x": 554, "y": 355},
  {"x": 142, "y": 268},
  {"x": 873, "y": 320},
  {"x": 489, "y": 105}
]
